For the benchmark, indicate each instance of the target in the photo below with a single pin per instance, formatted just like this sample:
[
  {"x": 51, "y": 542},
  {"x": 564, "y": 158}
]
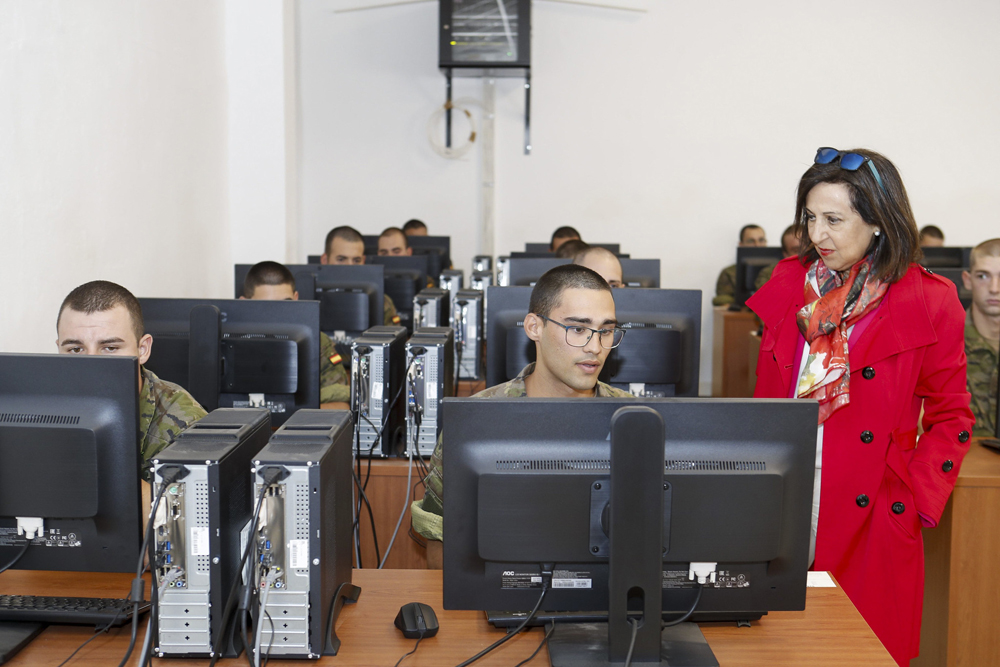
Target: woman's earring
[{"x": 878, "y": 232}]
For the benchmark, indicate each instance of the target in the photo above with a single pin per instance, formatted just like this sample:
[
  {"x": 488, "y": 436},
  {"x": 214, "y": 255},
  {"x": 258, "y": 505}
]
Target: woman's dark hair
[{"x": 885, "y": 206}]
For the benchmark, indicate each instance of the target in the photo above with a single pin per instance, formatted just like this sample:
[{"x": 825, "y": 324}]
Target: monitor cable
[
  {"x": 634, "y": 622},
  {"x": 417, "y": 412},
  {"x": 546, "y": 583},
  {"x": 686, "y": 615},
  {"x": 169, "y": 475},
  {"x": 271, "y": 474},
  {"x": 545, "y": 639},
  {"x": 407, "y": 655},
  {"x": 27, "y": 543},
  {"x": 97, "y": 632}
]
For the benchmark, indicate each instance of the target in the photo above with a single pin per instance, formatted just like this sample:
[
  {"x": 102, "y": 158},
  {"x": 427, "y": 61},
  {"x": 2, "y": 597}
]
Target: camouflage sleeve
[
  {"x": 763, "y": 276},
  {"x": 982, "y": 384},
  {"x": 389, "y": 314},
  {"x": 334, "y": 383},
  {"x": 427, "y": 514},
  {"x": 725, "y": 287},
  {"x": 179, "y": 411}
]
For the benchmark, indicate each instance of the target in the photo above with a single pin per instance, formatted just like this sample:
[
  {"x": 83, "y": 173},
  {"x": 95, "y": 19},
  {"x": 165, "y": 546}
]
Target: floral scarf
[{"x": 833, "y": 305}]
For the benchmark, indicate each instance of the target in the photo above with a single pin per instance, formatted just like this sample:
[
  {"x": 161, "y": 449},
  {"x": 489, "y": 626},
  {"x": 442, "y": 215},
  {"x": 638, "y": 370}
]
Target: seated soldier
[
  {"x": 982, "y": 334},
  {"x": 571, "y": 248},
  {"x": 271, "y": 281},
  {"x": 604, "y": 262},
  {"x": 344, "y": 246},
  {"x": 931, "y": 236},
  {"x": 562, "y": 235},
  {"x": 789, "y": 248},
  {"x": 102, "y": 318},
  {"x": 572, "y": 321},
  {"x": 392, "y": 243},
  {"x": 415, "y": 228},
  {"x": 751, "y": 236}
]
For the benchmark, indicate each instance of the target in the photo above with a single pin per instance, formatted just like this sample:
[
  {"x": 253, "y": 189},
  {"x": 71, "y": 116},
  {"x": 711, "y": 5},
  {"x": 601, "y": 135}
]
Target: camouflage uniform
[
  {"x": 428, "y": 514},
  {"x": 763, "y": 276},
  {"x": 165, "y": 409},
  {"x": 389, "y": 314},
  {"x": 981, "y": 377},
  {"x": 334, "y": 382},
  {"x": 725, "y": 287}
]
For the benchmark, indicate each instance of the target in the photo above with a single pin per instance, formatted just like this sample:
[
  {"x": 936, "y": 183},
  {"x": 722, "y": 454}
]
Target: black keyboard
[{"x": 78, "y": 611}]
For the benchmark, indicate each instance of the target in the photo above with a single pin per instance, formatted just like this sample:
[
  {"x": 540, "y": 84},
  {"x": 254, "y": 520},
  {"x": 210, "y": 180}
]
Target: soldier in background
[
  {"x": 931, "y": 237},
  {"x": 415, "y": 227},
  {"x": 392, "y": 243},
  {"x": 982, "y": 333},
  {"x": 604, "y": 262},
  {"x": 789, "y": 248},
  {"x": 560, "y": 236},
  {"x": 751, "y": 236},
  {"x": 571, "y": 248},
  {"x": 572, "y": 321},
  {"x": 102, "y": 318},
  {"x": 271, "y": 281},
  {"x": 345, "y": 246}
]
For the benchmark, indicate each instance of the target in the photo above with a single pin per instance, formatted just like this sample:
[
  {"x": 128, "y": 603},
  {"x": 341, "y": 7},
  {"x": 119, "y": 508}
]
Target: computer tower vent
[
  {"x": 715, "y": 465},
  {"x": 12, "y": 418},
  {"x": 302, "y": 517},
  {"x": 201, "y": 519}
]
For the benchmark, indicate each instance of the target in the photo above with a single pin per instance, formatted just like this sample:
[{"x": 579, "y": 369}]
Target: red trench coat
[{"x": 876, "y": 475}]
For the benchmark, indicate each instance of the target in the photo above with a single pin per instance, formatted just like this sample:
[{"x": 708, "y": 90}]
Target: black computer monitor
[
  {"x": 749, "y": 263},
  {"x": 350, "y": 296},
  {"x": 438, "y": 250},
  {"x": 544, "y": 247},
  {"x": 530, "y": 489},
  {"x": 238, "y": 353},
  {"x": 404, "y": 278},
  {"x": 640, "y": 272},
  {"x": 946, "y": 257},
  {"x": 69, "y": 455},
  {"x": 661, "y": 350},
  {"x": 525, "y": 271}
]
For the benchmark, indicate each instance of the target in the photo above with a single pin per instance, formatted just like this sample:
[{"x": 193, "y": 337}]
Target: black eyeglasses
[
  {"x": 848, "y": 161},
  {"x": 579, "y": 336}
]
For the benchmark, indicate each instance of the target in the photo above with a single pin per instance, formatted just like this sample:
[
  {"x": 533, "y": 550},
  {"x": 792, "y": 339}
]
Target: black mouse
[{"x": 416, "y": 620}]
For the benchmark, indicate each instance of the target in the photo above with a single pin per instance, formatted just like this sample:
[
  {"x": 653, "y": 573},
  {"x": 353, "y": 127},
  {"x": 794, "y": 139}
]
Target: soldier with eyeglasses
[{"x": 572, "y": 322}]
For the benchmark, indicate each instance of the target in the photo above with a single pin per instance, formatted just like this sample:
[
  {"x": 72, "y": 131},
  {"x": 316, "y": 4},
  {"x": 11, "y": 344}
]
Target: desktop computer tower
[
  {"x": 451, "y": 280},
  {"x": 431, "y": 308},
  {"x": 302, "y": 565},
  {"x": 199, "y": 530},
  {"x": 481, "y": 280},
  {"x": 430, "y": 360},
  {"x": 467, "y": 319},
  {"x": 503, "y": 271},
  {"x": 482, "y": 263},
  {"x": 377, "y": 368}
]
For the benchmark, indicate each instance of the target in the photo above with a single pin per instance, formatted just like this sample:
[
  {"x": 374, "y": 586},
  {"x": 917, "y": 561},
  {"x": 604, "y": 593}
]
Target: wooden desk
[
  {"x": 387, "y": 492},
  {"x": 962, "y": 583},
  {"x": 829, "y": 632},
  {"x": 730, "y": 352}
]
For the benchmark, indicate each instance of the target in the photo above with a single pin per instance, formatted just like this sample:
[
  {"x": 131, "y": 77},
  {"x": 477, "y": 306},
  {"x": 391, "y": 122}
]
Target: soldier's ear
[
  {"x": 295, "y": 296},
  {"x": 533, "y": 326},
  {"x": 145, "y": 348},
  {"x": 967, "y": 280}
]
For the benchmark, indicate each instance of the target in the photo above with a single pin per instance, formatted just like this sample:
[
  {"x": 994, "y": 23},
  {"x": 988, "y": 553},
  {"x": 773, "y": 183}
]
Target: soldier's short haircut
[
  {"x": 395, "y": 230},
  {"x": 99, "y": 296},
  {"x": 593, "y": 250},
  {"x": 571, "y": 248},
  {"x": 931, "y": 231},
  {"x": 549, "y": 288},
  {"x": 989, "y": 248},
  {"x": 414, "y": 224},
  {"x": 344, "y": 233},
  {"x": 745, "y": 228},
  {"x": 563, "y": 233},
  {"x": 266, "y": 273}
]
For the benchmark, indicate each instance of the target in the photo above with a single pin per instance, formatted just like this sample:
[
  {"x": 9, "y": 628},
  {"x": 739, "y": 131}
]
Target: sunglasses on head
[{"x": 848, "y": 161}]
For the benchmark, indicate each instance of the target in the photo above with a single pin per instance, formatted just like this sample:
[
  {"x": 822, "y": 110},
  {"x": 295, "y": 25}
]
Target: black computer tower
[
  {"x": 302, "y": 565},
  {"x": 431, "y": 308},
  {"x": 430, "y": 358},
  {"x": 377, "y": 368},
  {"x": 467, "y": 321},
  {"x": 197, "y": 530}
]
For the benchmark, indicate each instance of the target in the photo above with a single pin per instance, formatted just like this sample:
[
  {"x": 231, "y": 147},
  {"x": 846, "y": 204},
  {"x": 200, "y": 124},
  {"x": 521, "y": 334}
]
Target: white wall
[
  {"x": 112, "y": 155},
  {"x": 665, "y": 131}
]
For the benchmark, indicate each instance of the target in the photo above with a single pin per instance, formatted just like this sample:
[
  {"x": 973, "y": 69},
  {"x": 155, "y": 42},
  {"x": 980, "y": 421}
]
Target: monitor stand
[
  {"x": 635, "y": 563},
  {"x": 16, "y": 635},
  {"x": 586, "y": 645}
]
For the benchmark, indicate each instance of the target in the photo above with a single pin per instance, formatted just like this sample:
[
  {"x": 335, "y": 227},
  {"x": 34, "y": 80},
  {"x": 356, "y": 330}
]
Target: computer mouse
[{"x": 416, "y": 619}]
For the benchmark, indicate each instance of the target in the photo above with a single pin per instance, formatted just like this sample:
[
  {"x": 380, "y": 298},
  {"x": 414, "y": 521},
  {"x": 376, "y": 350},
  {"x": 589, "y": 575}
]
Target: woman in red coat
[{"x": 855, "y": 324}]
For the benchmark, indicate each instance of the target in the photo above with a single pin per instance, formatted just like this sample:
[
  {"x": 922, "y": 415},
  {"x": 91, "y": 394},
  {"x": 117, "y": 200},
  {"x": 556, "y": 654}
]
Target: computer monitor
[
  {"x": 238, "y": 353},
  {"x": 659, "y": 356},
  {"x": 524, "y": 271},
  {"x": 548, "y": 255},
  {"x": 350, "y": 297},
  {"x": 69, "y": 456},
  {"x": 749, "y": 263},
  {"x": 532, "y": 487},
  {"x": 438, "y": 250},
  {"x": 946, "y": 257},
  {"x": 640, "y": 272},
  {"x": 404, "y": 278},
  {"x": 544, "y": 247}
]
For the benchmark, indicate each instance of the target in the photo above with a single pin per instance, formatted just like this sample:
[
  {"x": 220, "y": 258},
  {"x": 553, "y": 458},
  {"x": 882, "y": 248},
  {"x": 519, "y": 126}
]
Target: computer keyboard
[{"x": 79, "y": 611}]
